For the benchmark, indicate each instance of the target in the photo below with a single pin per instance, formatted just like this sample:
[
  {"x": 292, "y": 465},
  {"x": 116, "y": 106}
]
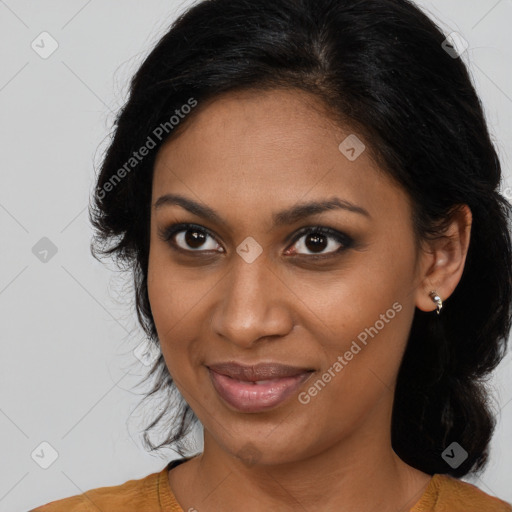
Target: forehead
[
  {"x": 245, "y": 122},
  {"x": 247, "y": 148}
]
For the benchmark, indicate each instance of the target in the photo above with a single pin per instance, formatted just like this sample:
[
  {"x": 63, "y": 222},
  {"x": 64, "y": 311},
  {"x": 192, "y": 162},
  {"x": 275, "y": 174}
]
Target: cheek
[
  {"x": 171, "y": 295},
  {"x": 360, "y": 366},
  {"x": 351, "y": 301},
  {"x": 176, "y": 305},
  {"x": 366, "y": 315}
]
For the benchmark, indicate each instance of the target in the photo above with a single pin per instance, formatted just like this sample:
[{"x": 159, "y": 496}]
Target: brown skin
[{"x": 248, "y": 155}]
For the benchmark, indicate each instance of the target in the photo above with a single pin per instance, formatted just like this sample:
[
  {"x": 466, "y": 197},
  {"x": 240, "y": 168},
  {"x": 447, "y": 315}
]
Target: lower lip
[{"x": 249, "y": 397}]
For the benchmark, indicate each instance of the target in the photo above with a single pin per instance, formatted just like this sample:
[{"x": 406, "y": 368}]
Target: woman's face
[{"x": 248, "y": 287}]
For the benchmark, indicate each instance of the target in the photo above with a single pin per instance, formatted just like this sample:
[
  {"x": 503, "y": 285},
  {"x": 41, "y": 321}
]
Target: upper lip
[{"x": 260, "y": 371}]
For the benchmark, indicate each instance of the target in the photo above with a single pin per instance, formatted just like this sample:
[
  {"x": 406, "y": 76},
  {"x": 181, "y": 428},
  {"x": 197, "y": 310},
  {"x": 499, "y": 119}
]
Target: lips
[
  {"x": 256, "y": 388},
  {"x": 258, "y": 372}
]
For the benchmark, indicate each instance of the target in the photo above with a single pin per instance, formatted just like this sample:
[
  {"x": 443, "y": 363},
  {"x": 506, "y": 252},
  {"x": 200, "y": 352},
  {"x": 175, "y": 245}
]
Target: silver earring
[{"x": 437, "y": 300}]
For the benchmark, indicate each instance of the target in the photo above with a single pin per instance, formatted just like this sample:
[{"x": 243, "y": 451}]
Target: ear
[{"x": 442, "y": 260}]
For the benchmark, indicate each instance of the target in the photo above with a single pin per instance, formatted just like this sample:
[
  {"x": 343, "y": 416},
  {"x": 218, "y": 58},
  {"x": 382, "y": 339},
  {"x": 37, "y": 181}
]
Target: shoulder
[
  {"x": 454, "y": 495},
  {"x": 133, "y": 495}
]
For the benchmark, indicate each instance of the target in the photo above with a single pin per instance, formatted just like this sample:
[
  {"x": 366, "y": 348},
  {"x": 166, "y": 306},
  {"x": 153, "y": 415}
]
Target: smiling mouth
[{"x": 257, "y": 395}]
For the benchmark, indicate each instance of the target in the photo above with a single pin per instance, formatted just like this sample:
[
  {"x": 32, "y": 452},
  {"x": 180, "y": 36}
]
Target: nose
[{"x": 254, "y": 303}]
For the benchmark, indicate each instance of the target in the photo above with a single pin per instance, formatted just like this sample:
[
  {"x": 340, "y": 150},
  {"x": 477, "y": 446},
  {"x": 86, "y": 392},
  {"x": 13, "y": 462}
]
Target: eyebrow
[{"x": 284, "y": 217}]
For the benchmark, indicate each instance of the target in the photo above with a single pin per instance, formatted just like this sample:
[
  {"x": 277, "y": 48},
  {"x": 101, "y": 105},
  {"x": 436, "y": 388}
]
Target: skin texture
[{"x": 247, "y": 155}]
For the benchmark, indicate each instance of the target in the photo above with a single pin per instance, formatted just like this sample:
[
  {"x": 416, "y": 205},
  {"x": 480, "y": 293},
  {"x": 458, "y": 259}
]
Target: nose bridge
[
  {"x": 252, "y": 304},
  {"x": 248, "y": 279}
]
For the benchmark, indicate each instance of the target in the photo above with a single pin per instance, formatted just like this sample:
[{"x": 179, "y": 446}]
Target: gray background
[{"x": 68, "y": 373}]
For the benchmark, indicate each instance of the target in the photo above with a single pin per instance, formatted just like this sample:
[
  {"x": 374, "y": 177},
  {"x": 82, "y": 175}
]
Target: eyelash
[{"x": 166, "y": 234}]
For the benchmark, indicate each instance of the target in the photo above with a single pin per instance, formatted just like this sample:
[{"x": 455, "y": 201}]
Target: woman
[{"x": 308, "y": 196}]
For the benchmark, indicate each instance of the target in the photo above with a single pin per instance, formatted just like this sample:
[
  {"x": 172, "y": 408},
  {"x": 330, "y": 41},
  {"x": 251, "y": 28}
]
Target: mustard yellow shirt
[{"x": 153, "y": 494}]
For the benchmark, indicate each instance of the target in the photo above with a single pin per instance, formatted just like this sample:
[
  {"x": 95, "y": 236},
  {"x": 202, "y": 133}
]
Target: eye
[
  {"x": 194, "y": 238},
  {"x": 320, "y": 238},
  {"x": 189, "y": 238}
]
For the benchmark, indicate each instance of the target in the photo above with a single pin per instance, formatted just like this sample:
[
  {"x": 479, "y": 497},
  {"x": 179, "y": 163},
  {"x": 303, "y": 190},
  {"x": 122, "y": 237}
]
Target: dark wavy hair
[{"x": 379, "y": 66}]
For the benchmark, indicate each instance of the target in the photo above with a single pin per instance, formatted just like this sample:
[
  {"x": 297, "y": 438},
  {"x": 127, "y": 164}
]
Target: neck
[{"x": 362, "y": 473}]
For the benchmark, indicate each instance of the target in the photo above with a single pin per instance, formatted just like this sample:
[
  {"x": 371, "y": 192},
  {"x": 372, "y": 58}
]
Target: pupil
[
  {"x": 194, "y": 238},
  {"x": 318, "y": 242}
]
